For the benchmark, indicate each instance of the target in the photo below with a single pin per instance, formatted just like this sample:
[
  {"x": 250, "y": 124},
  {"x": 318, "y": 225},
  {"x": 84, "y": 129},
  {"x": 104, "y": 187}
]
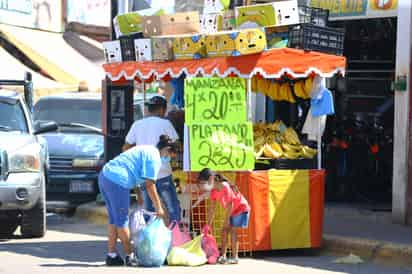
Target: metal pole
[
  {"x": 401, "y": 153},
  {"x": 114, "y": 9},
  {"x": 319, "y": 144},
  {"x": 249, "y": 99}
]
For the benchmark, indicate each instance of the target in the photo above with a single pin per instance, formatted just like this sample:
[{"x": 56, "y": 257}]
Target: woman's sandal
[{"x": 222, "y": 260}]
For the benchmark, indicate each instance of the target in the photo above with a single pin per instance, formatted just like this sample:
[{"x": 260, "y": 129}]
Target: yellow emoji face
[
  {"x": 251, "y": 41},
  {"x": 191, "y": 47}
]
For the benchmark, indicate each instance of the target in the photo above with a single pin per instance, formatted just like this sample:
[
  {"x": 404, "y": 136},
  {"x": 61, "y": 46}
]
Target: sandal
[{"x": 222, "y": 260}]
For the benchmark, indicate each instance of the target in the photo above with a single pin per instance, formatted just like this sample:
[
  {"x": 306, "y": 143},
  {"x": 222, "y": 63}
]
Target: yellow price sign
[
  {"x": 221, "y": 146},
  {"x": 210, "y": 100}
]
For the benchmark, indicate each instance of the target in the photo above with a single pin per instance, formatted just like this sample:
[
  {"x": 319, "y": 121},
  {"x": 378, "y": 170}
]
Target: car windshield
[
  {"x": 66, "y": 111},
  {"x": 12, "y": 117}
]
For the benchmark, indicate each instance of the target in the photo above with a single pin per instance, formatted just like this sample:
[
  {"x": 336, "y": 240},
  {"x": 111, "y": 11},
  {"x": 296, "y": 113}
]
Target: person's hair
[
  {"x": 166, "y": 141},
  {"x": 156, "y": 108},
  {"x": 206, "y": 173}
]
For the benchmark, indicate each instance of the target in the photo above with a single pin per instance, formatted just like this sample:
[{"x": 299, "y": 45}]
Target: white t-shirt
[{"x": 147, "y": 131}]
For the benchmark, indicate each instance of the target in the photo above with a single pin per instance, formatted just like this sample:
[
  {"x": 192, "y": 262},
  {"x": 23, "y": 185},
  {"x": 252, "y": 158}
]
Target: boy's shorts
[
  {"x": 117, "y": 201},
  {"x": 241, "y": 220}
]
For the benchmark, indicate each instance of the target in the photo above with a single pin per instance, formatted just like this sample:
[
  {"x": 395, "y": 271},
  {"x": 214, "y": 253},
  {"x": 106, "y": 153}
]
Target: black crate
[
  {"x": 316, "y": 38},
  {"x": 286, "y": 164},
  {"x": 127, "y": 46},
  {"x": 316, "y": 16}
]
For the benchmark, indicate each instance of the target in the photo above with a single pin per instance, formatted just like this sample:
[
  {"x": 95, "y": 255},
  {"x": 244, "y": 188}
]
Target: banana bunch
[
  {"x": 276, "y": 141},
  {"x": 302, "y": 90},
  {"x": 291, "y": 136}
]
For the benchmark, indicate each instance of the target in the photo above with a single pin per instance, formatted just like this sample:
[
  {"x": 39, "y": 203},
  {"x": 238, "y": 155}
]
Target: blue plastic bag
[{"x": 153, "y": 243}]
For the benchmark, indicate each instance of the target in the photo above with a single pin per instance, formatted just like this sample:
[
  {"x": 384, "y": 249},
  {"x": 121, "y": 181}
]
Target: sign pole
[
  {"x": 319, "y": 144},
  {"x": 401, "y": 147},
  {"x": 249, "y": 99}
]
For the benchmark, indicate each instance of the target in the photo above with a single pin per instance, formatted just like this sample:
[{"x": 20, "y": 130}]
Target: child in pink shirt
[{"x": 236, "y": 206}]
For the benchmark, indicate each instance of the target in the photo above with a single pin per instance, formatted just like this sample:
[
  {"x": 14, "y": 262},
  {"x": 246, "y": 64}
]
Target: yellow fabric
[
  {"x": 289, "y": 209},
  {"x": 189, "y": 254}
]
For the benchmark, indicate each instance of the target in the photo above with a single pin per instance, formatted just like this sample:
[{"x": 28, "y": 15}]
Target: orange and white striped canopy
[{"x": 270, "y": 64}]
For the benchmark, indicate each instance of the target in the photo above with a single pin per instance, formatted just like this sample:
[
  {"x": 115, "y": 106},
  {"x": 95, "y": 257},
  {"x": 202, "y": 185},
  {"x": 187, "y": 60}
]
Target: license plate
[{"x": 81, "y": 187}]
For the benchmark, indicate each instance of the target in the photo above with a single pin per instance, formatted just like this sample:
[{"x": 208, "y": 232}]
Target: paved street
[{"x": 73, "y": 246}]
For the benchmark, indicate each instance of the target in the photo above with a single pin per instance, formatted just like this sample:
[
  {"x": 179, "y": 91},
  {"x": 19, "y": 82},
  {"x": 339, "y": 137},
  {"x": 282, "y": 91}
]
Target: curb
[
  {"x": 93, "y": 213},
  {"x": 369, "y": 250}
]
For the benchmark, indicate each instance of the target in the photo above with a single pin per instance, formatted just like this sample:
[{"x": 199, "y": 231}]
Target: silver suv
[{"x": 23, "y": 160}]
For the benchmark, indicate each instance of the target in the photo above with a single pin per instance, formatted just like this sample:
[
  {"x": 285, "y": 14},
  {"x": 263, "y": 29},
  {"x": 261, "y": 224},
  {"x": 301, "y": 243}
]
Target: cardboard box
[
  {"x": 235, "y": 43},
  {"x": 112, "y": 51},
  {"x": 210, "y": 23},
  {"x": 214, "y": 22},
  {"x": 143, "y": 50},
  {"x": 278, "y": 13},
  {"x": 162, "y": 48},
  {"x": 215, "y": 6},
  {"x": 229, "y": 20},
  {"x": 178, "y": 23},
  {"x": 128, "y": 46},
  {"x": 189, "y": 47},
  {"x": 129, "y": 23}
]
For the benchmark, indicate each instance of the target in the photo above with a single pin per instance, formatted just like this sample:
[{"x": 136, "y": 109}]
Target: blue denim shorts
[
  {"x": 241, "y": 220},
  {"x": 117, "y": 201},
  {"x": 167, "y": 192}
]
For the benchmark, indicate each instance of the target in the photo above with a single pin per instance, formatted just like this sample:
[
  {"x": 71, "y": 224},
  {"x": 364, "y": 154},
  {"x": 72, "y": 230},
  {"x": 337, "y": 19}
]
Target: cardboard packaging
[
  {"x": 112, "y": 51},
  {"x": 278, "y": 13},
  {"x": 129, "y": 23},
  {"x": 178, "y": 23},
  {"x": 214, "y": 22},
  {"x": 143, "y": 50},
  {"x": 162, "y": 48},
  {"x": 215, "y": 6},
  {"x": 236, "y": 43},
  {"x": 128, "y": 46},
  {"x": 189, "y": 47}
]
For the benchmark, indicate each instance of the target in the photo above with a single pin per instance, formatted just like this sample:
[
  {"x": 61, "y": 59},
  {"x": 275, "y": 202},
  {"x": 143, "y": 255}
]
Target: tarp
[
  {"x": 12, "y": 69},
  {"x": 55, "y": 56},
  {"x": 286, "y": 209},
  {"x": 273, "y": 63}
]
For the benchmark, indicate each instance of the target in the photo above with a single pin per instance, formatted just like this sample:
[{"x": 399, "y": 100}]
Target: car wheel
[
  {"x": 33, "y": 224},
  {"x": 7, "y": 227}
]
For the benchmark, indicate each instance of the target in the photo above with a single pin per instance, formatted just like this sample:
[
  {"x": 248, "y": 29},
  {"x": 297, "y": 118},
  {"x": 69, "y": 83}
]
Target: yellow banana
[{"x": 270, "y": 153}]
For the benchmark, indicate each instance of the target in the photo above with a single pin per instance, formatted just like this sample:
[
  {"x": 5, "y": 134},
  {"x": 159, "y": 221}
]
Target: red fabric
[
  {"x": 317, "y": 197},
  {"x": 259, "y": 201},
  {"x": 270, "y": 64}
]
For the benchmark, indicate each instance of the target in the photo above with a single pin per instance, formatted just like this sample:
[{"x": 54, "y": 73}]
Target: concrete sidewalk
[{"x": 365, "y": 233}]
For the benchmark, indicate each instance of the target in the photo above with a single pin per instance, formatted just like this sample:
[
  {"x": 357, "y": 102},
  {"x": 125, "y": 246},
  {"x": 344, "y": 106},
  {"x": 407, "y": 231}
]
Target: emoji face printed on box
[
  {"x": 171, "y": 24},
  {"x": 112, "y": 51},
  {"x": 236, "y": 43},
  {"x": 250, "y": 41},
  {"x": 189, "y": 47},
  {"x": 209, "y": 23},
  {"x": 222, "y": 44},
  {"x": 255, "y": 16},
  {"x": 162, "y": 49},
  {"x": 287, "y": 12},
  {"x": 143, "y": 48}
]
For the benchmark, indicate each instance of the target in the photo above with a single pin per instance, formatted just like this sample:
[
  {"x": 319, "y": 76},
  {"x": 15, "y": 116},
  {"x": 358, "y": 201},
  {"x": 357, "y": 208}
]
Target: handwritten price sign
[
  {"x": 221, "y": 146},
  {"x": 210, "y": 100}
]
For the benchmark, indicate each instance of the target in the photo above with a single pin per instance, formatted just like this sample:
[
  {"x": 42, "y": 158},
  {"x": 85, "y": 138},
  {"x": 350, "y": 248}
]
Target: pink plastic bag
[
  {"x": 179, "y": 237},
  {"x": 209, "y": 245}
]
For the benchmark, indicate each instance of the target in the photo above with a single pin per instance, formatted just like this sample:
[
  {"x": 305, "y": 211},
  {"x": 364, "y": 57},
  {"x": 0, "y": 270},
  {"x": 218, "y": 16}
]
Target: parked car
[
  {"x": 76, "y": 150},
  {"x": 23, "y": 165}
]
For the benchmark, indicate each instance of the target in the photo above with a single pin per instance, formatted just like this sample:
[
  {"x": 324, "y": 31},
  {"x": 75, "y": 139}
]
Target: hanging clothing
[
  {"x": 322, "y": 104},
  {"x": 178, "y": 94},
  {"x": 311, "y": 126}
]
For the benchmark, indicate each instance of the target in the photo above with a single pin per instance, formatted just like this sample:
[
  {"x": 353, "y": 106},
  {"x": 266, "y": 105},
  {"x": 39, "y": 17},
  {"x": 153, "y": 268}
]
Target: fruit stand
[{"x": 286, "y": 205}]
